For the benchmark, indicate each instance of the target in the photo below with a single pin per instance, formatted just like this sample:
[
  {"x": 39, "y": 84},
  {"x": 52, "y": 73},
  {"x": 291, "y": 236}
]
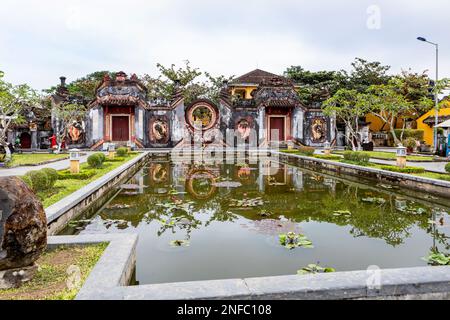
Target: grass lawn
[
  {"x": 50, "y": 282},
  {"x": 26, "y": 159},
  {"x": 63, "y": 188},
  {"x": 431, "y": 175},
  {"x": 392, "y": 156}
]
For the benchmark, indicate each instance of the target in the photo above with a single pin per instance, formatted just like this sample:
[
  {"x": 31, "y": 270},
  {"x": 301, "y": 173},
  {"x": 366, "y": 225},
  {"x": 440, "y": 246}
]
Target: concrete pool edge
[
  {"x": 110, "y": 276},
  {"x": 59, "y": 214},
  {"x": 405, "y": 283},
  {"x": 114, "y": 268},
  {"x": 434, "y": 186}
]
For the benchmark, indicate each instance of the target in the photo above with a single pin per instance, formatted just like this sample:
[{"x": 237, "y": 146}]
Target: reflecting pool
[{"x": 203, "y": 221}]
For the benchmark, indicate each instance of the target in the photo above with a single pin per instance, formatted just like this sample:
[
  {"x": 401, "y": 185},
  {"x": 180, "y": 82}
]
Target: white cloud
[{"x": 41, "y": 40}]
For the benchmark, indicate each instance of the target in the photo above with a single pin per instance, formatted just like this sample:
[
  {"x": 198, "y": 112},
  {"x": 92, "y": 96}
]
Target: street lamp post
[{"x": 436, "y": 97}]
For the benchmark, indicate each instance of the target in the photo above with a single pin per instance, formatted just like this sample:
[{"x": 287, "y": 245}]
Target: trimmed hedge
[
  {"x": 447, "y": 167},
  {"x": 304, "y": 151},
  {"x": 96, "y": 160},
  {"x": 52, "y": 176},
  {"x": 43, "y": 179},
  {"x": 122, "y": 152},
  {"x": 102, "y": 156},
  {"x": 324, "y": 157},
  {"x": 307, "y": 151},
  {"x": 358, "y": 157},
  {"x": 410, "y": 170},
  {"x": 117, "y": 159},
  {"x": 83, "y": 175}
]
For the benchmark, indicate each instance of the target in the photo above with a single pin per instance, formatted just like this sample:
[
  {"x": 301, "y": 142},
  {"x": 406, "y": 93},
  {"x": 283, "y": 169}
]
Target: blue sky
[{"x": 42, "y": 40}]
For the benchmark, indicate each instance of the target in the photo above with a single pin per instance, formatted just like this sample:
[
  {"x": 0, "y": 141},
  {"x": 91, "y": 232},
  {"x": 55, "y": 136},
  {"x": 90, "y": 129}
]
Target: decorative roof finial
[
  {"x": 121, "y": 76},
  {"x": 63, "y": 81}
]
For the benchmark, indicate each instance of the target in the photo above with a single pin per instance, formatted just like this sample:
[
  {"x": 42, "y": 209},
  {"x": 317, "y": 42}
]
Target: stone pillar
[{"x": 34, "y": 142}]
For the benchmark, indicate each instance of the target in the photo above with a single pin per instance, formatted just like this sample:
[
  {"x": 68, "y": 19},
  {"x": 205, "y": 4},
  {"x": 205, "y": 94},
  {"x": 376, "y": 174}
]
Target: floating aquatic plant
[
  {"x": 291, "y": 240},
  {"x": 374, "y": 200},
  {"x": 118, "y": 206},
  {"x": 168, "y": 222},
  {"x": 437, "y": 259},
  {"x": 247, "y": 203},
  {"x": 315, "y": 268},
  {"x": 264, "y": 213},
  {"x": 339, "y": 213},
  {"x": 179, "y": 243}
]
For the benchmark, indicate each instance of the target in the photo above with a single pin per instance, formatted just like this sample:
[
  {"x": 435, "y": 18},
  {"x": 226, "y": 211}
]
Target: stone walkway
[{"x": 20, "y": 171}]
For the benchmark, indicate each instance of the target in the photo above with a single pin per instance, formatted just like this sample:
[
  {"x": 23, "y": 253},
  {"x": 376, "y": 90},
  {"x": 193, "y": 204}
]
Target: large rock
[{"x": 23, "y": 225}]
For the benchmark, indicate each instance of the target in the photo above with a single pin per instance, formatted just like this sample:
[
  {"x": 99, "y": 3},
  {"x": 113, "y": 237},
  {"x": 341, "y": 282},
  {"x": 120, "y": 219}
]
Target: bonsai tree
[{"x": 14, "y": 100}]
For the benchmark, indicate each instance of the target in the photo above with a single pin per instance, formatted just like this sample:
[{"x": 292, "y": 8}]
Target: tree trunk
[{"x": 4, "y": 144}]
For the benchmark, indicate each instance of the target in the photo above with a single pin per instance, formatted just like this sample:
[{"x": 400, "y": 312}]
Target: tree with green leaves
[
  {"x": 388, "y": 104},
  {"x": 66, "y": 115},
  {"x": 314, "y": 87},
  {"x": 14, "y": 101},
  {"x": 348, "y": 106},
  {"x": 85, "y": 86},
  {"x": 365, "y": 74},
  {"x": 188, "y": 78}
]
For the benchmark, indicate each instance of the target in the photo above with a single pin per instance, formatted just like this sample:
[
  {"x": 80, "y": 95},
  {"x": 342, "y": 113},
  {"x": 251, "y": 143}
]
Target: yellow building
[
  {"x": 243, "y": 86},
  {"x": 426, "y": 122}
]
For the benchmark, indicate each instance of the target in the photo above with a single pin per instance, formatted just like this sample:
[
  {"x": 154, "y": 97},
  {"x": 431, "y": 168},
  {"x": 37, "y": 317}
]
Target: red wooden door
[
  {"x": 277, "y": 125},
  {"x": 25, "y": 140},
  {"x": 120, "y": 128}
]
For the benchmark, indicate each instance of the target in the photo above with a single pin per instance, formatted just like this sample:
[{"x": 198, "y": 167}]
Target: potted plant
[{"x": 410, "y": 144}]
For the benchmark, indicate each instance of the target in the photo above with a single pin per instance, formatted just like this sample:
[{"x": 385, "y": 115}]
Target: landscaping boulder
[{"x": 23, "y": 229}]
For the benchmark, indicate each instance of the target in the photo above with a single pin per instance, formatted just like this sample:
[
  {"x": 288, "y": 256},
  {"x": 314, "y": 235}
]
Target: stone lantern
[
  {"x": 111, "y": 150},
  {"x": 327, "y": 148},
  {"x": 401, "y": 156},
  {"x": 23, "y": 232},
  {"x": 75, "y": 156}
]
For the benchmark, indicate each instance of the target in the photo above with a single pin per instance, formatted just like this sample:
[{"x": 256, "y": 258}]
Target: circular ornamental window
[{"x": 202, "y": 116}]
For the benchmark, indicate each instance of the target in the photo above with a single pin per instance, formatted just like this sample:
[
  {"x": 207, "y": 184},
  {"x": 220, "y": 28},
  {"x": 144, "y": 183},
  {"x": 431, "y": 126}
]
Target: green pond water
[{"x": 226, "y": 220}]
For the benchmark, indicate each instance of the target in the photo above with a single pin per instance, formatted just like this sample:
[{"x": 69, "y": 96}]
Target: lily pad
[
  {"x": 292, "y": 240},
  {"x": 437, "y": 259},
  {"x": 339, "y": 213},
  {"x": 118, "y": 206},
  {"x": 315, "y": 268},
  {"x": 179, "y": 243},
  {"x": 374, "y": 200}
]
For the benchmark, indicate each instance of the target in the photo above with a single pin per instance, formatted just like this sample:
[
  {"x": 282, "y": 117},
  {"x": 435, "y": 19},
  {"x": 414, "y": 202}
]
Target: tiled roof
[{"x": 256, "y": 76}]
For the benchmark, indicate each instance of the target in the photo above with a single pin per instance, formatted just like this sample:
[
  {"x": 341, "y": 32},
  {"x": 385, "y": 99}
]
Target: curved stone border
[
  {"x": 59, "y": 214},
  {"x": 433, "y": 186},
  {"x": 115, "y": 267}
]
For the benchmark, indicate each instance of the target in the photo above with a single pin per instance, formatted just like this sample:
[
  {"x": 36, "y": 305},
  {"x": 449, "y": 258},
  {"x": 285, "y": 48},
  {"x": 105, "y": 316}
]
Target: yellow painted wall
[
  {"x": 248, "y": 91},
  {"x": 429, "y": 132},
  {"x": 376, "y": 124}
]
